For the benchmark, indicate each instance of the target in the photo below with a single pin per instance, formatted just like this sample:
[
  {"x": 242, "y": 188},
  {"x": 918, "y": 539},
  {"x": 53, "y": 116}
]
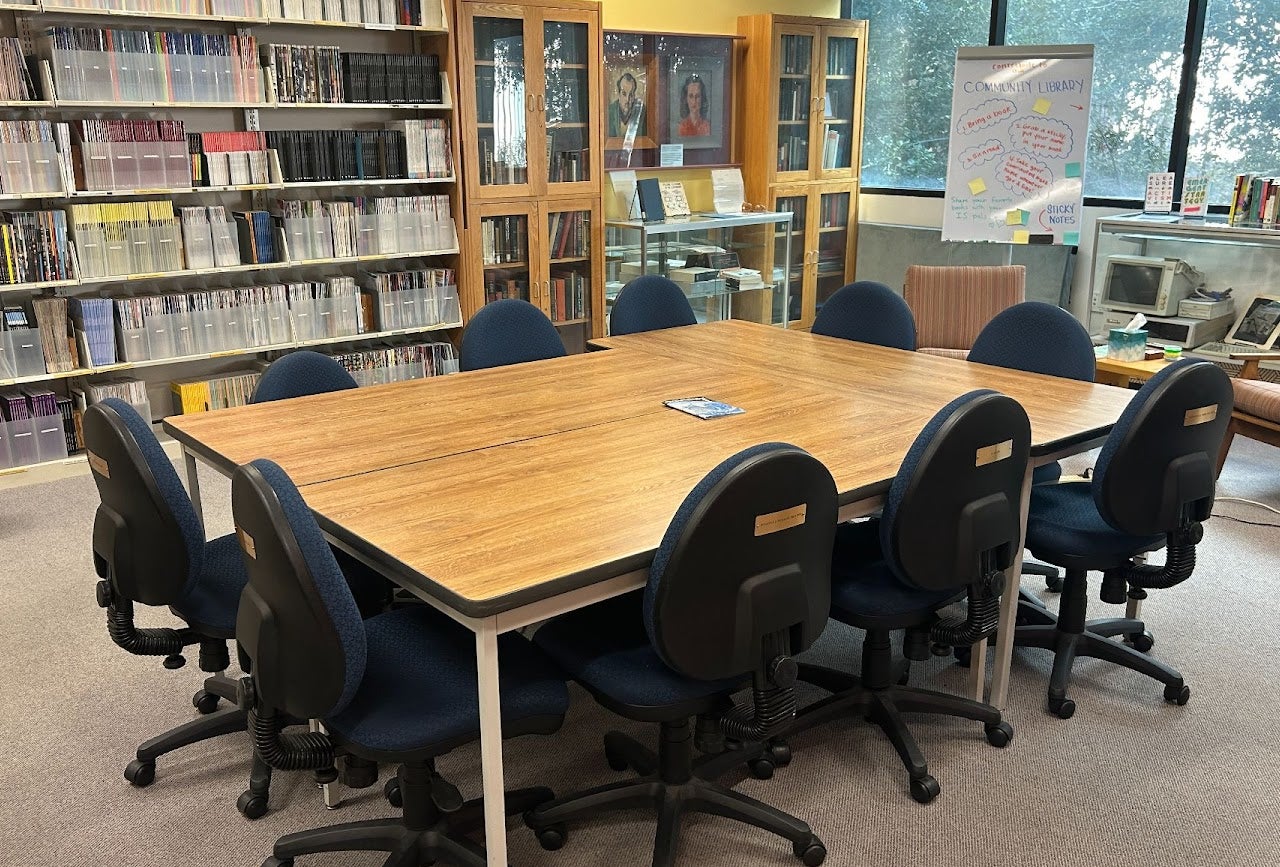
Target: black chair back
[
  {"x": 147, "y": 540},
  {"x": 744, "y": 570},
  {"x": 297, "y": 622},
  {"x": 952, "y": 512},
  {"x": 1156, "y": 470}
]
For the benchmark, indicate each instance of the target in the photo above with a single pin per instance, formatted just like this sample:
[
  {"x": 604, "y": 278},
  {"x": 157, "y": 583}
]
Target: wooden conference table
[{"x": 507, "y": 496}]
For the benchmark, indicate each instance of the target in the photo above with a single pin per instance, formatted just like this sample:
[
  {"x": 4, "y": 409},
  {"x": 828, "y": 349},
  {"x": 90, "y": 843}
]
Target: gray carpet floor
[{"x": 1129, "y": 780}]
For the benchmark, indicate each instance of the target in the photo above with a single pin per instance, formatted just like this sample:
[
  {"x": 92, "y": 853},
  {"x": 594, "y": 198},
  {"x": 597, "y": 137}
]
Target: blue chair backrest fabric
[
  {"x": 1160, "y": 456},
  {"x": 747, "y": 554},
  {"x": 868, "y": 312},
  {"x": 138, "y": 485},
  {"x": 509, "y": 331},
  {"x": 301, "y": 373},
  {"x": 957, "y": 494},
  {"x": 1038, "y": 338},
  {"x": 648, "y": 303},
  {"x": 297, "y": 620}
]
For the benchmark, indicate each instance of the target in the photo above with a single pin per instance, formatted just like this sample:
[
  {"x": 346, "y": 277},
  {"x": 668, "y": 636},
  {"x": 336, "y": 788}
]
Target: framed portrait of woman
[{"x": 696, "y": 116}]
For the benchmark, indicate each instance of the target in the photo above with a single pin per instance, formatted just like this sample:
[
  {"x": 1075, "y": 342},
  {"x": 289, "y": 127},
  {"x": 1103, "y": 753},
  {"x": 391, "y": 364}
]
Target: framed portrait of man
[
  {"x": 629, "y": 83},
  {"x": 696, "y": 116}
]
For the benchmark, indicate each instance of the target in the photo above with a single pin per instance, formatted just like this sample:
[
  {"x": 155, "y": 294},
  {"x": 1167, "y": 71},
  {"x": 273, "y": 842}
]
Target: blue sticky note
[
  {"x": 1071, "y": 239},
  {"x": 1073, "y": 170}
]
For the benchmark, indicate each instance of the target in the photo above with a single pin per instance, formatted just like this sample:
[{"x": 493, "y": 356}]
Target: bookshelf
[
  {"x": 807, "y": 76},
  {"x": 530, "y": 106},
  {"x": 241, "y": 93}
]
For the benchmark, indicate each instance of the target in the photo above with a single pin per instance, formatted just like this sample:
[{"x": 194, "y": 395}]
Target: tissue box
[{"x": 1126, "y": 345}]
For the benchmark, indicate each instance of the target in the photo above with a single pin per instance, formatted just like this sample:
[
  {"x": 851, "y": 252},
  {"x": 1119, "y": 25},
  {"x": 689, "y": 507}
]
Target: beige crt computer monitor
[{"x": 1259, "y": 324}]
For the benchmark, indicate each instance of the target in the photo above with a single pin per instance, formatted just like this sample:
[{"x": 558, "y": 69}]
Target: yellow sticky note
[
  {"x": 977, "y": 185},
  {"x": 1016, "y": 217},
  {"x": 1042, "y": 106},
  {"x": 1020, "y": 236}
]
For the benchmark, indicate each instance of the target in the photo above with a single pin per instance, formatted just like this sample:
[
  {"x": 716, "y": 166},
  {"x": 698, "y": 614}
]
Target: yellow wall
[{"x": 716, "y": 16}]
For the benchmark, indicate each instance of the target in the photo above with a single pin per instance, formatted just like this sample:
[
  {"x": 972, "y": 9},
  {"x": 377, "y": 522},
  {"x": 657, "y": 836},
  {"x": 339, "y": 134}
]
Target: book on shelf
[
  {"x": 504, "y": 239},
  {"x": 220, "y": 392},
  {"x": 33, "y": 247},
  {"x": 60, "y": 354},
  {"x": 17, "y": 81},
  {"x": 568, "y": 299},
  {"x": 95, "y": 330}
]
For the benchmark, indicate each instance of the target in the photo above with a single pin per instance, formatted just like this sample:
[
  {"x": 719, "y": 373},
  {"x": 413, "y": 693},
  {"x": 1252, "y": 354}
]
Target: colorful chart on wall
[{"x": 1019, "y": 129}]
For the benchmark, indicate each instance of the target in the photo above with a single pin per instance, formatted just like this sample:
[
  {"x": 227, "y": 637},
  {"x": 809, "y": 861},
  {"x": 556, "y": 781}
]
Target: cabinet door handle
[
  {"x": 542, "y": 103},
  {"x": 528, "y": 102}
]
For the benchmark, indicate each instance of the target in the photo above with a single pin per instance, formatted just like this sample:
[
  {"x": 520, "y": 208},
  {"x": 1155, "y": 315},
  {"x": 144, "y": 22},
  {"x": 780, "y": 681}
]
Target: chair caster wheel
[
  {"x": 761, "y": 768},
  {"x": 1063, "y": 708},
  {"x": 616, "y": 760},
  {"x": 1055, "y": 583},
  {"x": 251, "y": 805},
  {"x": 140, "y": 773},
  {"x": 205, "y": 702},
  {"x": 963, "y": 655},
  {"x": 1141, "y": 641},
  {"x": 780, "y": 753},
  {"x": 924, "y": 789},
  {"x": 811, "y": 853},
  {"x": 1179, "y": 694},
  {"x": 391, "y": 791},
  {"x": 551, "y": 838},
  {"x": 999, "y": 735}
]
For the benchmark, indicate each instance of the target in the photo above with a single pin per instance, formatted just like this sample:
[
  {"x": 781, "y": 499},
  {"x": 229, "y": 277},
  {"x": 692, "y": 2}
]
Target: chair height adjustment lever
[
  {"x": 445, "y": 795},
  {"x": 783, "y": 671},
  {"x": 102, "y": 591}
]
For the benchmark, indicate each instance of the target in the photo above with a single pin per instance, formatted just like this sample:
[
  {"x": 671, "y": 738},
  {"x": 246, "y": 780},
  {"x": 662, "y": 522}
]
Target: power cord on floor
[{"x": 1269, "y": 508}]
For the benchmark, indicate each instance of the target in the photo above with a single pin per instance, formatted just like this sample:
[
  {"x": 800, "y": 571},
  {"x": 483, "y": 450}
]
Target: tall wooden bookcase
[
  {"x": 530, "y": 79},
  {"x": 271, "y": 22},
  {"x": 802, "y": 88}
]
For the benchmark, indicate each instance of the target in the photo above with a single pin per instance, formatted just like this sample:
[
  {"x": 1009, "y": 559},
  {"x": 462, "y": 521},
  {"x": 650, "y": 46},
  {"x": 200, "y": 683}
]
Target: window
[
  {"x": 909, "y": 71},
  {"x": 1137, "y": 69},
  {"x": 1234, "y": 118},
  {"x": 1235, "y": 121}
]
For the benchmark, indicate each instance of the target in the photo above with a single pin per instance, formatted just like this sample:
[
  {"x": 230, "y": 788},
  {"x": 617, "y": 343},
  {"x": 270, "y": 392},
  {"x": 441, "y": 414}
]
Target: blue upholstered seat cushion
[
  {"x": 864, "y": 589},
  {"x": 1064, "y": 520},
  {"x": 605, "y": 648},
  {"x": 1046, "y": 473},
  {"x": 420, "y": 689},
  {"x": 212, "y": 600}
]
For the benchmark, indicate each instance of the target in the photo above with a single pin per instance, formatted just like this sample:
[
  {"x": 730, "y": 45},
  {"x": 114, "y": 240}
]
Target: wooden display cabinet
[{"x": 805, "y": 78}]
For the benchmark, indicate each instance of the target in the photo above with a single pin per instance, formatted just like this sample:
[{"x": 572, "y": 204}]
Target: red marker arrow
[
  {"x": 1043, "y": 225},
  {"x": 1078, "y": 107}
]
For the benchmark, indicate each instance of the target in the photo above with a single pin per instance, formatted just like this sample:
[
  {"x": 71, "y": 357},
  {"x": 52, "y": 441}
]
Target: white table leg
[
  {"x": 193, "y": 483},
  {"x": 1009, "y": 607},
  {"x": 495, "y": 814}
]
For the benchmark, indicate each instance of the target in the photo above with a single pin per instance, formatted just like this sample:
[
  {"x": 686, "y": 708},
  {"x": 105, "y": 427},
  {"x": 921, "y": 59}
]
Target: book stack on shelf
[
  {"x": 504, "y": 240},
  {"x": 1255, "y": 202},
  {"x": 122, "y": 238},
  {"x": 30, "y": 161},
  {"x": 387, "y": 12},
  {"x": 326, "y": 74},
  {"x": 34, "y": 247},
  {"x": 219, "y": 8},
  {"x": 569, "y": 292},
  {"x": 17, "y": 84},
  {"x": 399, "y": 363},
  {"x": 95, "y": 64},
  {"x": 413, "y": 299},
  {"x": 32, "y": 429},
  {"x": 219, "y": 392},
  {"x": 229, "y": 157},
  {"x": 128, "y": 154}
]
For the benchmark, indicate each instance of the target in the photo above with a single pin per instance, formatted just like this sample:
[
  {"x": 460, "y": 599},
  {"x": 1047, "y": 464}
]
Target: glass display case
[{"x": 731, "y": 266}]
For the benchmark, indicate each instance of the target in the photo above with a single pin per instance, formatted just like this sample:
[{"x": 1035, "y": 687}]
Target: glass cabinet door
[
  {"x": 566, "y": 293},
  {"x": 837, "y": 125},
  {"x": 569, "y": 54},
  {"x": 502, "y": 106},
  {"x": 833, "y": 243},
  {"x": 796, "y": 64},
  {"x": 794, "y": 274},
  {"x": 506, "y": 256}
]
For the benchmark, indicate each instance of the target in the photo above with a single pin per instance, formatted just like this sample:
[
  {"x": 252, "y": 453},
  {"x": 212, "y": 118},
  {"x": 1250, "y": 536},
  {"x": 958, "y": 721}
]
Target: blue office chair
[
  {"x": 868, "y": 312},
  {"x": 1038, "y": 338},
  {"x": 950, "y": 527},
  {"x": 1152, "y": 488},
  {"x": 648, "y": 303},
  {"x": 301, "y": 373},
  {"x": 750, "y": 544},
  {"x": 509, "y": 331},
  {"x": 400, "y": 687},
  {"x": 149, "y": 549}
]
